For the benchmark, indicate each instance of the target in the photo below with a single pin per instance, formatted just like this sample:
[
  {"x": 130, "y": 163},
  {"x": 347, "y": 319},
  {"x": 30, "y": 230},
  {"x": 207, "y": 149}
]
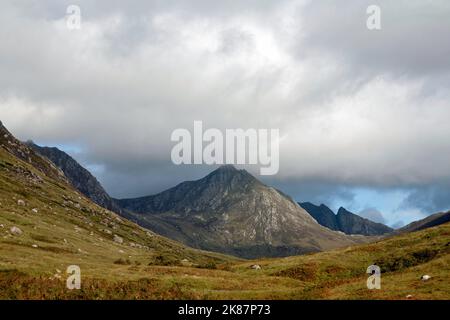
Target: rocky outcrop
[{"x": 26, "y": 153}]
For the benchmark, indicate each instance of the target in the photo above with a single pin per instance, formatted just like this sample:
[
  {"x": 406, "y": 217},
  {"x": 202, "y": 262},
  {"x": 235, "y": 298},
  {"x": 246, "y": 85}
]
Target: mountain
[
  {"x": 78, "y": 176},
  {"x": 428, "y": 222},
  {"x": 351, "y": 223},
  {"x": 345, "y": 221},
  {"x": 232, "y": 212},
  {"x": 323, "y": 215},
  {"x": 47, "y": 225}
]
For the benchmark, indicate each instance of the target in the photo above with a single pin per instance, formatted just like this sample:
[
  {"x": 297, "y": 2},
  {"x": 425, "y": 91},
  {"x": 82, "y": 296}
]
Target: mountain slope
[
  {"x": 25, "y": 153},
  {"x": 322, "y": 214},
  {"x": 230, "y": 211},
  {"x": 430, "y": 221},
  {"x": 351, "y": 223},
  {"x": 345, "y": 221},
  {"x": 341, "y": 274},
  {"x": 47, "y": 225},
  {"x": 78, "y": 176}
]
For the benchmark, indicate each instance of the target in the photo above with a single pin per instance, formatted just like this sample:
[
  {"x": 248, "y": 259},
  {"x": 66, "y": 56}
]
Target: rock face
[
  {"x": 25, "y": 153},
  {"x": 323, "y": 215},
  {"x": 345, "y": 221},
  {"x": 230, "y": 211},
  {"x": 351, "y": 223},
  {"x": 78, "y": 176}
]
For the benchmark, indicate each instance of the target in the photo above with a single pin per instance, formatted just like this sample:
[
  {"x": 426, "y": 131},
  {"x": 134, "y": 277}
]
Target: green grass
[{"x": 69, "y": 229}]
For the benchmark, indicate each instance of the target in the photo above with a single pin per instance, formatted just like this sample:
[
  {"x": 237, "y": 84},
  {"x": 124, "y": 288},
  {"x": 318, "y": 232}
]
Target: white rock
[
  {"x": 256, "y": 267},
  {"x": 118, "y": 239},
  {"x": 34, "y": 210},
  {"x": 20, "y": 202},
  {"x": 425, "y": 277},
  {"x": 34, "y": 245},
  {"x": 16, "y": 231}
]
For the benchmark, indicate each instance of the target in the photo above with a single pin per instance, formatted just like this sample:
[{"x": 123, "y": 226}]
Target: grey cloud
[
  {"x": 413, "y": 39},
  {"x": 372, "y": 214},
  {"x": 398, "y": 225},
  {"x": 357, "y": 108},
  {"x": 430, "y": 198}
]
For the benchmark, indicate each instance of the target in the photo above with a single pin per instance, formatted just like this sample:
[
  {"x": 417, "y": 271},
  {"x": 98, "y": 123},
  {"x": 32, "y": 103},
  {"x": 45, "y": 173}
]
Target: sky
[{"x": 363, "y": 113}]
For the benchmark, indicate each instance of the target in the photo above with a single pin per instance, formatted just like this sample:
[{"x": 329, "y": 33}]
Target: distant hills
[
  {"x": 430, "y": 221},
  {"x": 345, "y": 221}
]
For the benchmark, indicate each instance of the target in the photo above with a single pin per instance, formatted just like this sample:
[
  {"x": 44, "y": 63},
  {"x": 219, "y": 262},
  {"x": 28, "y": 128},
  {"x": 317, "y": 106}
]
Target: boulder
[
  {"x": 425, "y": 277},
  {"x": 16, "y": 231},
  {"x": 118, "y": 239}
]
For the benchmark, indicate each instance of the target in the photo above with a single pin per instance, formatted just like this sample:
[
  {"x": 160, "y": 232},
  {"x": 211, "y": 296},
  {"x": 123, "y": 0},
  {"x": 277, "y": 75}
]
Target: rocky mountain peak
[{"x": 231, "y": 211}]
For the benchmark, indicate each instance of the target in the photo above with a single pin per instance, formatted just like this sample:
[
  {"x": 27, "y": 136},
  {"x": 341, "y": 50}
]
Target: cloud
[
  {"x": 429, "y": 198},
  {"x": 372, "y": 214},
  {"x": 358, "y": 108},
  {"x": 398, "y": 225}
]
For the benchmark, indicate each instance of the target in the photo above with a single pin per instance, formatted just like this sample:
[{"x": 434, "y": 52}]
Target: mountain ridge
[
  {"x": 428, "y": 222},
  {"x": 78, "y": 176},
  {"x": 345, "y": 221}
]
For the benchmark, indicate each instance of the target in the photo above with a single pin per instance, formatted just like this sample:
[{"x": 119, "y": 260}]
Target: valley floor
[{"x": 33, "y": 273}]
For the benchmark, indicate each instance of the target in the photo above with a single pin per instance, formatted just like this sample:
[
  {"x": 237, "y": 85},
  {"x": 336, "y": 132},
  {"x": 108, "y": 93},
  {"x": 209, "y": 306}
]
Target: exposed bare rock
[
  {"x": 16, "y": 231},
  {"x": 118, "y": 239}
]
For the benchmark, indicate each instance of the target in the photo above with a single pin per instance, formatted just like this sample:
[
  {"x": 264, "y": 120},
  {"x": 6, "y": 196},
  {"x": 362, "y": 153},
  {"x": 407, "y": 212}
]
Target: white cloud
[{"x": 356, "y": 108}]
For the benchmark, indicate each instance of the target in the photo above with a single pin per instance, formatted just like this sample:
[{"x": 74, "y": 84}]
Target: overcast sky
[{"x": 365, "y": 114}]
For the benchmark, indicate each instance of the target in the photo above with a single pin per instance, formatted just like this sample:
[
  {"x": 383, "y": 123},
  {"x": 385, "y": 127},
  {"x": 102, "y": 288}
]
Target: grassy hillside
[
  {"x": 59, "y": 227},
  {"x": 69, "y": 229}
]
